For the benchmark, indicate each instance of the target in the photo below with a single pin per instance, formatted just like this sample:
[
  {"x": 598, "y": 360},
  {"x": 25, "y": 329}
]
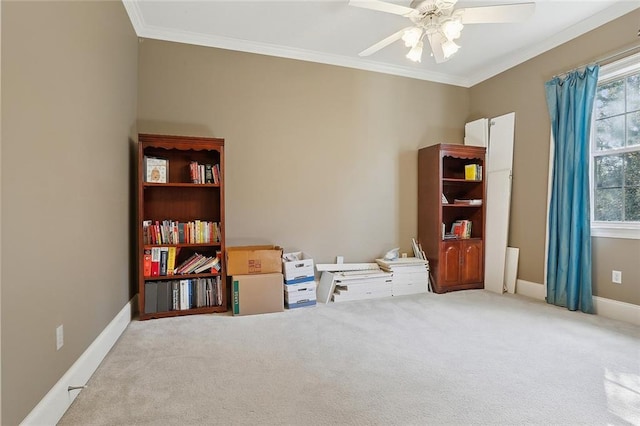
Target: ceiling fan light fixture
[
  {"x": 452, "y": 28},
  {"x": 449, "y": 48},
  {"x": 415, "y": 54},
  {"x": 445, "y": 4},
  {"x": 412, "y": 36}
]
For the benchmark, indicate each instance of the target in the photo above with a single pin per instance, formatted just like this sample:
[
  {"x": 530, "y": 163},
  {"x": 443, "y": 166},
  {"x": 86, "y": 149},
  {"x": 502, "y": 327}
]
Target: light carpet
[{"x": 467, "y": 357}]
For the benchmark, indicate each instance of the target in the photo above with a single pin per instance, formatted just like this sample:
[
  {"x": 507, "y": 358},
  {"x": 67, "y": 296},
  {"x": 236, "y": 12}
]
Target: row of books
[
  {"x": 204, "y": 173},
  {"x": 459, "y": 229},
  {"x": 173, "y": 232},
  {"x": 161, "y": 261},
  {"x": 177, "y": 295}
]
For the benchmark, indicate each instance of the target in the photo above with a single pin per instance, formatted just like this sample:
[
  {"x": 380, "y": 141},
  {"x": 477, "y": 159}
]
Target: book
[
  {"x": 461, "y": 229},
  {"x": 164, "y": 296},
  {"x": 193, "y": 171},
  {"x": 171, "y": 260},
  {"x": 473, "y": 172},
  {"x": 146, "y": 263},
  {"x": 216, "y": 173},
  {"x": 156, "y": 170},
  {"x": 188, "y": 264},
  {"x": 444, "y": 199},
  {"x": 164, "y": 256},
  {"x": 155, "y": 261},
  {"x": 208, "y": 173},
  {"x": 150, "y": 297},
  {"x": 175, "y": 295},
  {"x": 209, "y": 265},
  {"x": 184, "y": 294},
  {"x": 471, "y": 202}
]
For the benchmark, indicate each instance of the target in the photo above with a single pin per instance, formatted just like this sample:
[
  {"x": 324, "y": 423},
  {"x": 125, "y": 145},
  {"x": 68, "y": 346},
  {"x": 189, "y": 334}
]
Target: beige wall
[
  {"x": 318, "y": 158},
  {"x": 69, "y": 74},
  {"x": 521, "y": 89}
]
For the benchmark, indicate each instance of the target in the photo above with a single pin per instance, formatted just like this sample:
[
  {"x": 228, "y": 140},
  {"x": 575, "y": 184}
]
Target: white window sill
[{"x": 616, "y": 230}]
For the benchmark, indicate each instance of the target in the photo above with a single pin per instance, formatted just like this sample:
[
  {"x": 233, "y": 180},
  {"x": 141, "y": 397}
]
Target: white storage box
[
  {"x": 294, "y": 293},
  {"x": 300, "y": 304},
  {"x": 297, "y": 269}
]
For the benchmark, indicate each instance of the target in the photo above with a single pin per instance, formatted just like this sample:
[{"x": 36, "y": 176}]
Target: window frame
[{"x": 611, "y": 229}]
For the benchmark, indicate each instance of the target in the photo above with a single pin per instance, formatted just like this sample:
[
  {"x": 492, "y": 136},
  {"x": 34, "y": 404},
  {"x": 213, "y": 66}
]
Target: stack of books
[
  {"x": 410, "y": 275},
  {"x": 473, "y": 172}
]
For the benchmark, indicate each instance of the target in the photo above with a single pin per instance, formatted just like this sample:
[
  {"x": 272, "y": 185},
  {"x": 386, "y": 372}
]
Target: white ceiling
[{"x": 333, "y": 32}]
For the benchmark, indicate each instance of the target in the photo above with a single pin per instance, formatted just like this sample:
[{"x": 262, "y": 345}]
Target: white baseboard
[
  {"x": 617, "y": 310},
  {"x": 608, "y": 308},
  {"x": 56, "y": 402},
  {"x": 531, "y": 289}
]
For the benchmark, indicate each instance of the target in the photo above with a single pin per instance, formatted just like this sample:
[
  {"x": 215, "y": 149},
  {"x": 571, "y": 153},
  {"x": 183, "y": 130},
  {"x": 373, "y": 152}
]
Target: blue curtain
[{"x": 570, "y": 102}]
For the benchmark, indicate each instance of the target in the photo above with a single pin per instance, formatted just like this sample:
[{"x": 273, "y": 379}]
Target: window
[{"x": 615, "y": 151}]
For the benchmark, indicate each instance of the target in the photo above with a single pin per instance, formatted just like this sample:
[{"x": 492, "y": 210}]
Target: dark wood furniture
[
  {"x": 181, "y": 200},
  {"x": 455, "y": 264}
]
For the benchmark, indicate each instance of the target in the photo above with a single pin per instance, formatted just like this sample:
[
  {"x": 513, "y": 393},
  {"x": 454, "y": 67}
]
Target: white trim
[
  {"x": 530, "y": 289},
  {"x": 606, "y": 308},
  {"x": 618, "y": 68},
  {"x": 617, "y": 310},
  {"x": 56, "y": 402},
  {"x": 620, "y": 229},
  {"x": 615, "y": 231}
]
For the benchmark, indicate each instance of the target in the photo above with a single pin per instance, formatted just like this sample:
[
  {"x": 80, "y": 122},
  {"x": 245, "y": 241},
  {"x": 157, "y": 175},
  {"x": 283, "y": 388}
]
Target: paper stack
[{"x": 410, "y": 275}]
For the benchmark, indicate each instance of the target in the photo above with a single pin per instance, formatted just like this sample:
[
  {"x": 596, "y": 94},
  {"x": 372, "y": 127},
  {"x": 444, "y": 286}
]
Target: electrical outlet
[
  {"x": 616, "y": 277},
  {"x": 59, "y": 337}
]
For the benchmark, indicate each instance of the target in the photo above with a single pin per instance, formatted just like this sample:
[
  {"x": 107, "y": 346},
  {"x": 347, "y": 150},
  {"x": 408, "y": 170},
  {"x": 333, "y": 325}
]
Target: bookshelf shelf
[
  {"x": 192, "y": 212},
  {"x": 460, "y": 180},
  {"x": 180, "y": 277},
  {"x": 443, "y": 175},
  {"x": 217, "y": 244},
  {"x": 180, "y": 185}
]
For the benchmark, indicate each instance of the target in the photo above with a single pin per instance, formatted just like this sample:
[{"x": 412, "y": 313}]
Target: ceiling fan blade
[
  {"x": 382, "y": 6},
  {"x": 435, "y": 41},
  {"x": 384, "y": 42},
  {"x": 496, "y": 14}
]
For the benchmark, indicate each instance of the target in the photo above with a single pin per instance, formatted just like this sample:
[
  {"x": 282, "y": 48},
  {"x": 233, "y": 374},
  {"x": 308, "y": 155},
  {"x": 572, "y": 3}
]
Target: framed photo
[{"x": 156, "y": 170}]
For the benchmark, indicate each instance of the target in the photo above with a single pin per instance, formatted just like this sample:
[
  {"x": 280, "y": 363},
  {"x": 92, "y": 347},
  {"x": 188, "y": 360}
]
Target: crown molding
[
  {"x": 556, "y": 40},
  {"x": 144, "y": 30}
]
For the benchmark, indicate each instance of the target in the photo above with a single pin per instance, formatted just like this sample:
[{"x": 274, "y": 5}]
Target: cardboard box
[
  {"x": 256, "y": 294},
  {"x": 247, "y": 260},
  {"x": 297, "y": 269}
]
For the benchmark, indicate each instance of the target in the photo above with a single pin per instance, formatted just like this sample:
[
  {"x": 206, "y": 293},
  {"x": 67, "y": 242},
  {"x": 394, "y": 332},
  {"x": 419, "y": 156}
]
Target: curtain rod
[{"x": 603, "y": 60}]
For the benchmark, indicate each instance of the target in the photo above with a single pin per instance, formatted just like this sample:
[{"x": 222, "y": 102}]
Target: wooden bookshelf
[
  {"x": 455, "y": 263},
  {"x": 177, "y": 198}
]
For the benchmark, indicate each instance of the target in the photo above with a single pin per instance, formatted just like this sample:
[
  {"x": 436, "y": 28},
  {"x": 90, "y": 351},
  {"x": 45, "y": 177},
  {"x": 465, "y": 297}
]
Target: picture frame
[{"x": 156, "y": 169}]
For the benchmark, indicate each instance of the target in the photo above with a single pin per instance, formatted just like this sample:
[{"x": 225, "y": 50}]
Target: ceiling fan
[{"x": 440, "y": 23}]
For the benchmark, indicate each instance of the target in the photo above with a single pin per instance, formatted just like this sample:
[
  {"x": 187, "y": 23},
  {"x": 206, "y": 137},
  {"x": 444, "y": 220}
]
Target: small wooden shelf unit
[
  {"x": 181, "y": 200},
  {"x": 455, "y": 264}
]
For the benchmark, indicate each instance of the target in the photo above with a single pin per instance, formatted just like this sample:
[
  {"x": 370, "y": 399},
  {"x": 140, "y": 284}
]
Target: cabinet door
[
  {"x": 471, "y": 264},
  {"x": 450, "y": 264}
]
